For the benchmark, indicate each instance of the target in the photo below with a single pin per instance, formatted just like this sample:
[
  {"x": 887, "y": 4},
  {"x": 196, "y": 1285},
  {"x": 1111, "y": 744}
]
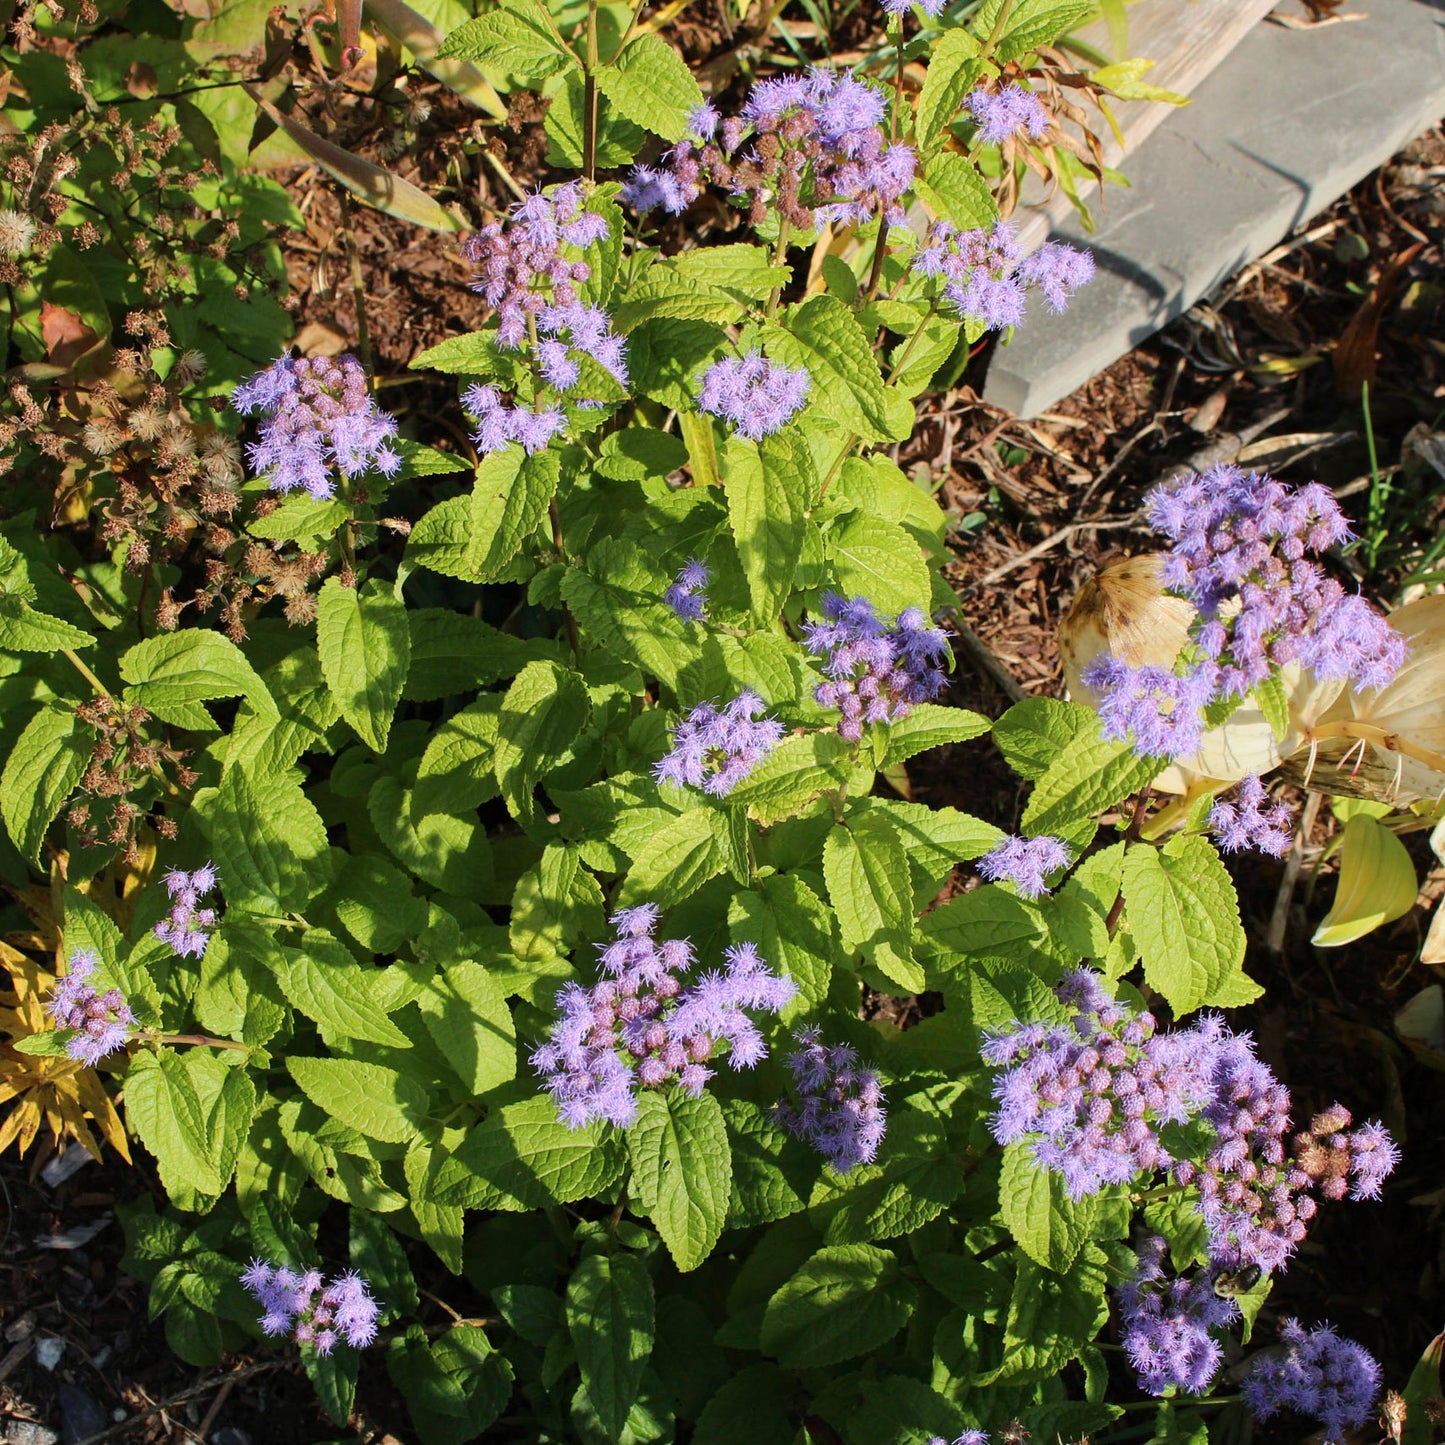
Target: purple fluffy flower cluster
[
  {"x": 1251, "y": 821},
  {"x": 1026, "y": 863},
  {"x": 643, "y": 1026},
  {"x": 1241, "y": 550},
  {"x": 688, "y": 595},
  {"x": 716, "y": 748},
  {"x": 969, "y": 1437},
  {"x": 1010, "y": 110},
  {"x": 1162, "y": 711},
  {"x": 840, "y": 1105},
  {"x": 319, "y": 416},
  {"x": 1092, "y": 1094},
  {"x": 185, "y": 926},
  {"x": 102, "y": 1021},
  {"x": 818, "y": 154},
  {"x": 523, "y": 274},
  {"x": 876, "y": 673},
  {"x": 757, "y": 396},
  {"x": 312, "y": 1310},
  {"x": 1167, "y": 1325},
  {"x": 986, "y": 276},
  {"x": 1320, "y": 1374}
]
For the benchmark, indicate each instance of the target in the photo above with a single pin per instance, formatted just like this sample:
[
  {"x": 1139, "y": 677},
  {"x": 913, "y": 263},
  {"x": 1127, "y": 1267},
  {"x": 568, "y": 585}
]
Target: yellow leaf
[{"x": 1377, "y": 883}]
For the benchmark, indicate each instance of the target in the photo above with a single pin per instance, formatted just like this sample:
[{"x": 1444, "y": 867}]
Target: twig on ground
[
  {"x": 1279, "y": 917},
  {"x": 983, "y": 659},
  {"x": 230, "y": 1380},
  {"x": 1051, "y": 541}
]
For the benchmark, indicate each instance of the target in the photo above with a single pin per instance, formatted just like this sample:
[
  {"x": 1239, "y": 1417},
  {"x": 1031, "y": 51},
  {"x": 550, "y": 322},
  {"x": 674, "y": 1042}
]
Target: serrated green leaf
[
  {"x": 954, "y": 67},
  {"x": 518, "y": 40},
  {"x": 682, "y": 1170},
  {"x": 170, "y": 673},
  {"x": 611, "y": 1321},
  {"x": 928, "y": 725},
  {"x": 508, "y": 502},
  {"x": 866, "y": 869},
  {"x": 1274, "y": 704},
  {"x": 378, "y": 1102},
  {"x": 793, "y": 931},
  {"x": 1037, "y": 22},
  {"x": 23, "y": 629},
  {"x": 44, "y": 768},
  {"x": 365, "y": 646},
  {"x": 650, "y": 84},
  {"x": 1184, "y": 916},
  {"x": 268, "y": 840},
  {"x": 773, "y": 1172},
  {"x": 1035, "y": 1206},
  {"x": 466, "y": 1013},
  {"x": 915, "y": 1179},
  {"x": 1032, "y": 733},
  {"x": 822, "y": 335},
  {"x": 767, "y": 490},
  {"x": 845, "y": 1301},
  {"x": 449, "y": 852},
  {"x": 543, "y": 713},
  {"x": 880, "y": 561},
  {"x": 957, "y": 192},
  {"x": 792, "y": 775},
  {"x": 681, "y": 855},
  {"x": 322, "y": 980},
  {"x": 1090, "y": 773},
  {"x": 522, "y": 1157}
]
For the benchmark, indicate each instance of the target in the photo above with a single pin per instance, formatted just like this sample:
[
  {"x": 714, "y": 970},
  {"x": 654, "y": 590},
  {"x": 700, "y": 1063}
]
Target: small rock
[
  {"x": 48, "y": 1350},
  {"x": 80, "y": 1415},
  {"x": 230, "y": 1435},
  {"x": 22, "y": 1329},
  {"x": 27, "y": 1432}
]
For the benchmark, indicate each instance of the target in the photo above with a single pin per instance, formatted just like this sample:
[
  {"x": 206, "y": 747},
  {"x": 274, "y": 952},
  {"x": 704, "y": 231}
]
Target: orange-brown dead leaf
[
  {"x": 67, "y": 338},
  {"x": 1356, "y": 348}
]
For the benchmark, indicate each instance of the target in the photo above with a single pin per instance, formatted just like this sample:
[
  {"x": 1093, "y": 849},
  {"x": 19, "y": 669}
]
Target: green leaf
[
  {"x": 518, "y": 40},
  {"x": 23, "y": 629},
  {"x": 879, "y": 560},
  {"x": 236, "y": 995},
  {"x": 989, "y": 922},
  {"x": 772, "y": 1171},
  {"x": 1036, "y": 22},
  {"x": 471, "y": 354},
  {"x": 768, "y": 491},
  {"x": 454, "y": 1386},
  {"x": 678, "y": 859},
  {"x": 793, "y": 930},
  {"x": 375, "y": 902},
  {"x": 954, "y": 67},
  {"x": 522, "y": 1157},
  {"x": 170, "y": 673},
  {"x": 508, "y": 501},
  {"x": 334, "y": 1378},
  {"x": 866, "y": 869},
  {"x": 927, "y": 725},
  {"x": 378, "y": 1102},
  {"x": 823, "y": 335},
  {"x": 610, "y": 1317},
  {"x": 44, "y": 768},
  {"x": 747, "y": 270},
  {"x": 1274, "y": 704},
  {"x": 365, "y": 646},
  {"x": 1032, "y": 733},
  {"x": 322, "y": 980},
  {"x": 450, "y": 853},
  {"x": 753, "y": 1406},
  {"x": 845, "y": 1301},
  {"x": 1089, "y": 774},
  {"x": 1035, "y": 1206},
  {"x": 916, "y": 1178},
  {"x": 269, "y": 842},
  {"x": 1184, "y": 915},
  {"x": 957, "y": 192},
  {"x": 466, "y": 1013},
  {"x": 651, "y": 85},
  {"x": 664, "y": 294},
  {"x": 792, "y": 775},
  {"x": 543, "y": 713},
  {"x": 682, "y": 1170}
]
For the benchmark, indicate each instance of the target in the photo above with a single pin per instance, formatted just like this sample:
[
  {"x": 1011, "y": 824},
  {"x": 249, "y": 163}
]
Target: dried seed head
[{"x": 17, "y": 231}]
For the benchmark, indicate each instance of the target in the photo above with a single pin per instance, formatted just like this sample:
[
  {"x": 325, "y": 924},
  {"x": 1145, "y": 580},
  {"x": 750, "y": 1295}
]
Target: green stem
[
  {"x": 996, "y": 34},
  {"x": 358, "y": 290},
  {"x": 200, "y": 1040},
  {"x": 589, "y": 96},
  {"x": 1379, "y": 489},
  {"x": 86, "y": 673},
  {"x": 780, "y": 256}
]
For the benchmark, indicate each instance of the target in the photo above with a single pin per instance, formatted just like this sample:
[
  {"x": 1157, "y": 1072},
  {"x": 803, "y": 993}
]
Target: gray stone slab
[{"x": 1288, "y": 123}]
